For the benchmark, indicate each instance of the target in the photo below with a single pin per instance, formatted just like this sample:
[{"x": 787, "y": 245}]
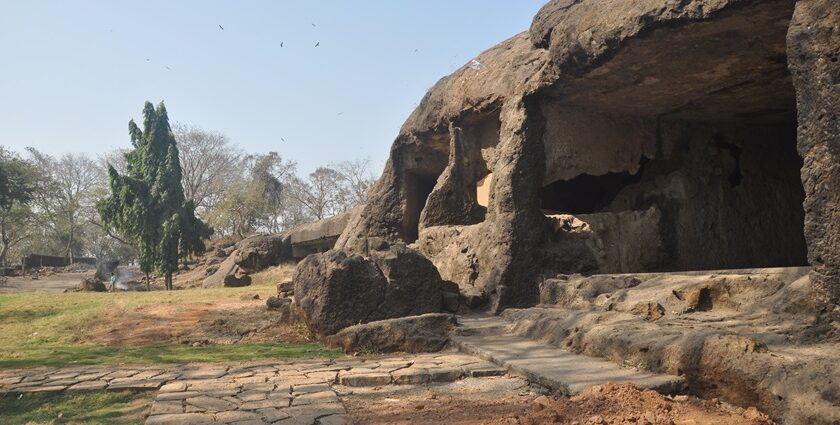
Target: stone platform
[
  {"x": 287, "y": 393},
  {"x": 564, "y": 373}
]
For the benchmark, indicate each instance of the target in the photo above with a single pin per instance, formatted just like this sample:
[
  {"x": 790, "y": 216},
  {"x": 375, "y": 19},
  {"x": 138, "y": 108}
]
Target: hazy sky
[{"x": 74, "y": 72}]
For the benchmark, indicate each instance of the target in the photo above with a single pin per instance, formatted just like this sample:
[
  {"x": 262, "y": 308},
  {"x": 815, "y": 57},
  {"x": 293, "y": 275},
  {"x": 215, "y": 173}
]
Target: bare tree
[
  {"x": 321, "y": 193},
  {"x": 357, "y": 178},
  {"x": 69, "y": 202},
  {"x": 209, "y": 163}
]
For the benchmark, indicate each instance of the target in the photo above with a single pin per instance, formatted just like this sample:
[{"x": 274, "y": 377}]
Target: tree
[
  {"x": 357, "y": 180},
  {"x": 209, "y": 162},
  {"x": 19, "y": 183},
  {"x": 255, "y": 199},
  {"x": 321, "y": 194},
  {"x": 147, "y": 204},
  {"x": 68, "y": 204}
]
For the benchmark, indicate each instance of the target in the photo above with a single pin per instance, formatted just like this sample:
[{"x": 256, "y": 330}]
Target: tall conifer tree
[{"x": 147, "y": 204}]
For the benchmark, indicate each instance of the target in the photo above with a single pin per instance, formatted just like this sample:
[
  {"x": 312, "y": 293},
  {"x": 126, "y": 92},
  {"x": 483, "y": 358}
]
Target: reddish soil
[
  {"x": 624, "y": 404},
  {"x": 609, "y": 404},
  {"x": 200, "y": 323}
]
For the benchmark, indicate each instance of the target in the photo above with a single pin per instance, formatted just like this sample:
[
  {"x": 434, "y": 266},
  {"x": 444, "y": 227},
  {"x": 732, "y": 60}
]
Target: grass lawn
[
  {"x": 113, "y": 407},
  {"x": 41, "y": 329}
]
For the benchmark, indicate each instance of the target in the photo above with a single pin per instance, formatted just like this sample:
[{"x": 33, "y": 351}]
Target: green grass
[
  {"x": 41, "y": 329},
  {"x": 123, "y": 407}
]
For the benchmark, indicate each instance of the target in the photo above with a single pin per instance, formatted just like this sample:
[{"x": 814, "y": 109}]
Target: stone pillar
[
  {"x": 453, "y": 200},
  {"x": 514, "y": 228},
  {"x": 814, "y": 61}
]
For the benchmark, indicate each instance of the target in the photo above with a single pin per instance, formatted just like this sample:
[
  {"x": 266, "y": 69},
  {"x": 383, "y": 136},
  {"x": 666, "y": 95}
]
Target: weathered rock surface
[
  {"x": 250, "y": 255},
  {"x": 623, "y": 137},
  {"x": 415, "y": 334},
  {"x": 749, "y": 337},
  {"x": 284, "y": 306},
  {"x": 236, "y": 280},
  {"x": 226, "y": 268},
  {"x": 92, "y": 284},
  {"x": 813, "y": 44},
  {"x": 414, "y": 285},
  {"x": 260, "y": 252},
  {"x": 335, "y": 289}
]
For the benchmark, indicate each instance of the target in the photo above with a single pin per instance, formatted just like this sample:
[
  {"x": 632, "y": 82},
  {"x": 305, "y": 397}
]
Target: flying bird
[
  {"x": 313, "y": 25},
  {"x": 220, "y": 26},
  {"x": 317, "y": 44},
  {"x": 169, "y": 68},
  {"x": 281, "y": 44},
  {"x": 282, "y": 139},
  {"x": 147, "y": 59}
]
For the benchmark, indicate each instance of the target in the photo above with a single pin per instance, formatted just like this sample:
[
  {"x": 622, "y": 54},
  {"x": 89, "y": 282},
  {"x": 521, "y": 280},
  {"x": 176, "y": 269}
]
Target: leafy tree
[
  {"x": 255, "y": 200},
  {"x": 147, "y": 204},
  {"x": 19, "y": 183}
]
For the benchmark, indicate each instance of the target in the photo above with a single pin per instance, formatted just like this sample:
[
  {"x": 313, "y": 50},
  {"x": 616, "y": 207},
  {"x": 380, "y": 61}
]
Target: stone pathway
[
  {"x": 287, "y": 393},
  {"x": 561, "y": 371}
]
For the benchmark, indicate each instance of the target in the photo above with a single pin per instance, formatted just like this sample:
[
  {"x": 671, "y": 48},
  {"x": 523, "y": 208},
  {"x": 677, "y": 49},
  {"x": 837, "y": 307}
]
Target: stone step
[
  {"x": 562, "y": 372},
  {"x": 481, "y": 325}
]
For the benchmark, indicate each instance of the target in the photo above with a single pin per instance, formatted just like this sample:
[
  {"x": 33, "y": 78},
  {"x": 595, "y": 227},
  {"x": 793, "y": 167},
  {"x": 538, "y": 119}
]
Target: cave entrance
[
  {"x": 684, "y": 158},
  {"x": 418, "y": 189},
  {"x": 585, "y": 194}
]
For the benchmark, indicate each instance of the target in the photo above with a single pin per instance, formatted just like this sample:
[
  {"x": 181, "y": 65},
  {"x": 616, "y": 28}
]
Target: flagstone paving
[{"x": 287, "y": 393}]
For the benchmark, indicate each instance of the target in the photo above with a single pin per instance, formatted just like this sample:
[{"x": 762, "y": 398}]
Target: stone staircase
[{"x": 562, "y": 372}]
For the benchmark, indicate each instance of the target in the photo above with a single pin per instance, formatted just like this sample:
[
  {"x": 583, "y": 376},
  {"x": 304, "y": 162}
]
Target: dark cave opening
[
  {"x": 418, "y": 187},
  {"x": 586, "y": 194}
]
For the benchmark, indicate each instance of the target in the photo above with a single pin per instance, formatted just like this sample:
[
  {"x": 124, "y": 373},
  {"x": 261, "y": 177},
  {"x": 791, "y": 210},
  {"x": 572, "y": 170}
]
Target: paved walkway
[
  {"x": 287, "y": 393},
  {"x": 563, "y": 372}
]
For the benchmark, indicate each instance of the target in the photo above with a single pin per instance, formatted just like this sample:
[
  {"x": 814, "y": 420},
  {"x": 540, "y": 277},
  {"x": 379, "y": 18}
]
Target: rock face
[
  {"x": 414, "y": 285},
  {"x": 813, "y": 45},
  {"x": 624, "y": 137},
  {"x": 261, "y": 252},
  {"x": 335, "y": 290},
  {"x": 748, "y": 336},
  {"x": 425, "y": 333},
  {"x": 250, "y": 255}
]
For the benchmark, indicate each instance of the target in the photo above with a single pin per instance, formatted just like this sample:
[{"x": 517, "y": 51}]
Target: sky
[{"x": 72, "y": 74}]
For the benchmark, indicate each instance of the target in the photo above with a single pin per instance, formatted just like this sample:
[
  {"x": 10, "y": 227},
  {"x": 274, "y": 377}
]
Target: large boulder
[
  {"x": 251, "y": 255},
  {"x": 236, "y": 280},
  {"x": 416, "y": 334},
  {"x": 261, "y": 252},
  {"x": 92, "y": 284},
  {"x": 335, "y": 290},
  {"x": 414, "y": 284},
  {"x": 228, "y": 270}
]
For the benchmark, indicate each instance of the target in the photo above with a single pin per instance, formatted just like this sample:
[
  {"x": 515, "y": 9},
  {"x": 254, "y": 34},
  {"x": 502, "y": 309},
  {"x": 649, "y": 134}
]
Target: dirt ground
[
  {"x": 512, "y": 401},
  {"x": 57, "y": 282},
  {"x": 197, "y": 323}
]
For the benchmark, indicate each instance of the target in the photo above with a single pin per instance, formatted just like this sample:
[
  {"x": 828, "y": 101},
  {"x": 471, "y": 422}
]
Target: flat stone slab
[
  {"x": 302, "y": 392},
  {"x": 365, "y": 379},
  {"x": 563, "y": 372}
]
